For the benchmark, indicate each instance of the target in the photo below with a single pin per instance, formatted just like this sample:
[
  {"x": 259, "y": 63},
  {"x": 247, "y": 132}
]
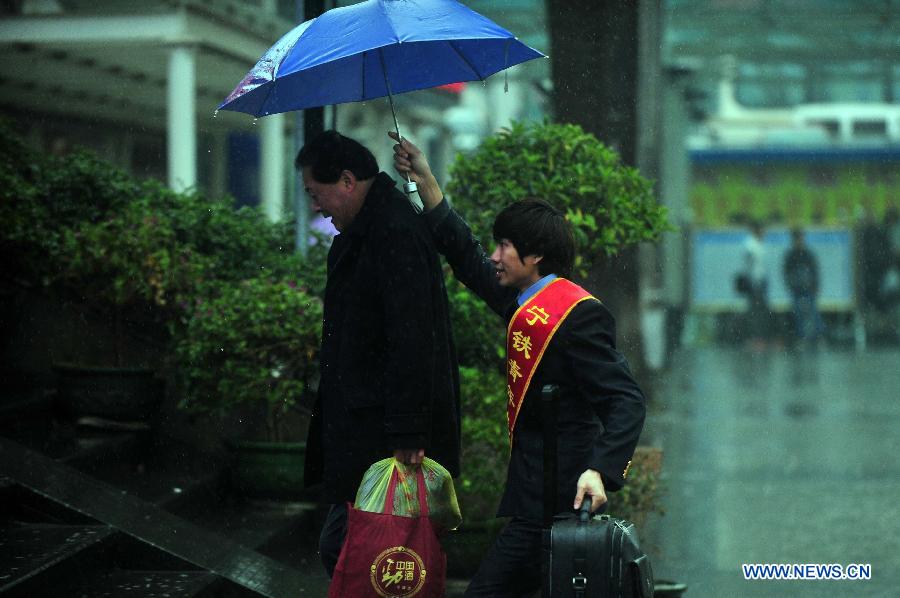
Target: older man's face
[{"x": 332, "y": 200}]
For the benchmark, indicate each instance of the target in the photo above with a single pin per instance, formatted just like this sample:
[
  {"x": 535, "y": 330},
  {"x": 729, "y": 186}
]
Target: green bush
[
  {"x": 129, "y": 259},
  {"x": 253, "y": 341},
  {"x": 641, "y": 495},
  {"x": 479, "y": 333},
  {"x": 610, "y": 205},
  {"x": 485, "y": 442},
  {"x": 31, "y": 223},
  {"x": 235, "y": 309}
]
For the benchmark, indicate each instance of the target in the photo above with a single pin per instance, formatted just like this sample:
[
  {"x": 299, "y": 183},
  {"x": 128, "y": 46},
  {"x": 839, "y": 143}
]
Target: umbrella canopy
[{"x": 374, "y": 49}]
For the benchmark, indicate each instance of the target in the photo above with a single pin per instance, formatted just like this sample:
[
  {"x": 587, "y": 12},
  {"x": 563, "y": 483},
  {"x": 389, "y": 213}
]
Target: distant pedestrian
[
  {"x": 801, "y": 277},
  {"x": 889, "y": 297},
  {"x": 874, "y": 260},
  {"x": 892, "y": 228},
  {"x": 757, "y": 316}
]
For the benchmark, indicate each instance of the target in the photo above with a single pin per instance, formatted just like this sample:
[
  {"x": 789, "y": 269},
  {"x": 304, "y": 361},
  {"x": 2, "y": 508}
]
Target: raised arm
[{"x": 452, "y": 236}]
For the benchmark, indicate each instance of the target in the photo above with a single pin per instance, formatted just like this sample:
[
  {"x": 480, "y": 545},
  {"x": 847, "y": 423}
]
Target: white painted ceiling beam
[{"x": 134, "y": 30}]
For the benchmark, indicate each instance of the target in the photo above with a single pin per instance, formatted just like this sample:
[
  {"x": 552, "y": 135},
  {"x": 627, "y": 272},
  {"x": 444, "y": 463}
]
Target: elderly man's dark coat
[
  {"x": 389, "y": 376},
  {"x": 601, "y": 408}
]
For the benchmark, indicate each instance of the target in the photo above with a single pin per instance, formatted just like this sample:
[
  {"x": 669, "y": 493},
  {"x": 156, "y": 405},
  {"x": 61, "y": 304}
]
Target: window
[
  {"x": 869, "y": 128},
  {"x": 831, "y": 126}
]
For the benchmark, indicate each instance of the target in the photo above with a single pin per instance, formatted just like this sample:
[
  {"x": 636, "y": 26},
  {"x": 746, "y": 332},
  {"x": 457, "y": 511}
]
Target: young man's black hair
[
  {"x": 534, "y": 227},
  {"x": 330, "y": 153}
]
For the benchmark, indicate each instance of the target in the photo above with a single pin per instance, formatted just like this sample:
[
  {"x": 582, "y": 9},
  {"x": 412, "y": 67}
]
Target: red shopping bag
[{"x": 390, "y": 556}]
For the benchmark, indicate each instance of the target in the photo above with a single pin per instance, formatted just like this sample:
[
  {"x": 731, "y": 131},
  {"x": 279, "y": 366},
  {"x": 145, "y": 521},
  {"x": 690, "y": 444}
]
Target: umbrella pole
[{"x": 411, "y": 189}]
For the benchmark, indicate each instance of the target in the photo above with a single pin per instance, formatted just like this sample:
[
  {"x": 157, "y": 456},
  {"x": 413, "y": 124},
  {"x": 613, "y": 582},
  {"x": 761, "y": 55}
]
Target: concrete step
[
  {"x": 160, "y": 472},
  {"x": 170, "y": 537},
  {"x": 29, "y": 550}
]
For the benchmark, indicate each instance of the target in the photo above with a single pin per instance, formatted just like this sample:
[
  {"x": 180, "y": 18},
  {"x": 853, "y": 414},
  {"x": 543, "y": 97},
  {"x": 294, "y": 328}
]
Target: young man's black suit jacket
[
  {"x": 601, "y": 409},
  {"x": 389, "y": 377}
]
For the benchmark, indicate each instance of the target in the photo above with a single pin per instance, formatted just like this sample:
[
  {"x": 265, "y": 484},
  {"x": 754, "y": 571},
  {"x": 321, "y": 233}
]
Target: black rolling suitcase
[{"x": 584, "y": 556}]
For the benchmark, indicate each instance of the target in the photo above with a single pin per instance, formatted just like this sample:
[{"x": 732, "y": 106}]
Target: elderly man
[{"x": 389, "y": 379}]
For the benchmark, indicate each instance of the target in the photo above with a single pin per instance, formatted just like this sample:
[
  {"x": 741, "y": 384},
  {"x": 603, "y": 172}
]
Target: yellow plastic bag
[{"x": 443, "y": 508}]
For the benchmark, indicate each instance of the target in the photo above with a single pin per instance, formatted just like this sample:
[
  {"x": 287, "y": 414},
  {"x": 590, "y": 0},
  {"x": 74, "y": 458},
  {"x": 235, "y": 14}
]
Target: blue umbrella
[{"x": 375, "y": 49}]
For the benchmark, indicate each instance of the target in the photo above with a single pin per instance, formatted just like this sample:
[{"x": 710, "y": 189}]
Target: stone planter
[
  {"x": 117, "y": 394},
  {"x": 267, "y": 470},
  {"x": 668, "y": 589}
]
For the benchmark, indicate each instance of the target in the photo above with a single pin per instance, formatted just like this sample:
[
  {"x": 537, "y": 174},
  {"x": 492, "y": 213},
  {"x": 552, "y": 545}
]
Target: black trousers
[
  {"x": 512, "y": 567},
  {"x": 334, "y": 530}
]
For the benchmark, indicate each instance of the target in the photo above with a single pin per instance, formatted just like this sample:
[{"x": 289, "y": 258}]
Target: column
[
  {"x": 182, "y": 119},
  {"x": 674, "y": 188},
  {"x": 272, "y": 160}
]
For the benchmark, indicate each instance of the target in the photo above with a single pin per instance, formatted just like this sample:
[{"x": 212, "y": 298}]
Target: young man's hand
[
  {"x": 409, "y": 160},
  {"x": 591, "y": 483}
]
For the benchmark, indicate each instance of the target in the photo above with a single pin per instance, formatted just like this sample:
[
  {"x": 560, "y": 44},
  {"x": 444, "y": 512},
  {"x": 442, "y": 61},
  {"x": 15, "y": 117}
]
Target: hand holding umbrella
[{"x": 410, "y": 162}]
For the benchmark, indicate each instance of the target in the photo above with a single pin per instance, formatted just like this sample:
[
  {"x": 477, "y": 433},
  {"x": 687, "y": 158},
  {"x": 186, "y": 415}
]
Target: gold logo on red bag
[{"x": 398, "y": 572}]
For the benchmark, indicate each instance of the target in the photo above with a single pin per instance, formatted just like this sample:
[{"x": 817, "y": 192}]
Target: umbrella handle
[
  {"x": 409, "y": 187},
  {"x": 412, "y": 194}
]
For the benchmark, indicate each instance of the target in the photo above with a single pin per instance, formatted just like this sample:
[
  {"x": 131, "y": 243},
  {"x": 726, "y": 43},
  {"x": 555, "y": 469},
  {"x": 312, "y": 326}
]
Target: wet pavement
[
  {"x": 778, "y": 457},
  {"x": 772, "y": 457}
]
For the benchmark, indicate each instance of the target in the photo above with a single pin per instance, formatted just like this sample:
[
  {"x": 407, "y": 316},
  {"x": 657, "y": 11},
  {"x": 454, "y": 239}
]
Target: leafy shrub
[
  {"x": 610, "y": 205},
  {"x": 131, "y": 258},
  {"x": 253, "y": 341},
  {"x": 641, "y": 495},
  {"x": 236, "y": 308},
  {"x": 485, "y": 442},
  {"x": 478, "y": 332}
]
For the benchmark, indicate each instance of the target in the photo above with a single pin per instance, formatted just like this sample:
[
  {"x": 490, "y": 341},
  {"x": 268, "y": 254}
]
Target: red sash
[{"x": 529, "y": 334}]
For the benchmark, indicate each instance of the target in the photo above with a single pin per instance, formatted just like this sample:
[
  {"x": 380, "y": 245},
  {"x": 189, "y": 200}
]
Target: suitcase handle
[
  {"x": 579, "y": 561},
  {"x": 584, "y": 513}
]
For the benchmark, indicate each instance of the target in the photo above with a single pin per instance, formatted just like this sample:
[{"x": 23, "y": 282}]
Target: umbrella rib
[
  {"x": 270, "y": 90},
  {"x": 466, "y": 60},
  {"x": 387, "y": 20},
  {"x": 363, "y": 96}
]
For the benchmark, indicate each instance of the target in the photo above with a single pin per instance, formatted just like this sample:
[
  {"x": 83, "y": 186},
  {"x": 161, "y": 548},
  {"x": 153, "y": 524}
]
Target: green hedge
[
  {"x": 609, "y": 204},
  {"x": 237, "y": 307},
  {"x": 790, "y": 196}
]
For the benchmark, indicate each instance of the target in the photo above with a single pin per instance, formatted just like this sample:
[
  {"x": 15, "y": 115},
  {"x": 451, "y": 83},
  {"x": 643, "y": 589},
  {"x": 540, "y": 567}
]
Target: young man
[
  {"x": 389, "y": 379},
  {"x": 557, "y": 334}
]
